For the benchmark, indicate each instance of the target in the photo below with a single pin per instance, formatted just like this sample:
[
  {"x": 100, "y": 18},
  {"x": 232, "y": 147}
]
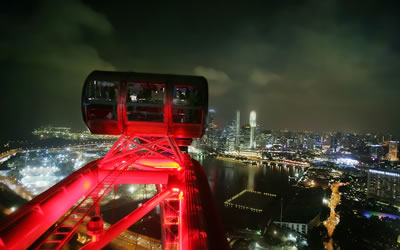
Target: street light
[
  {"x": 291, "y": 237},
  {"x": 132, "y": 189}
]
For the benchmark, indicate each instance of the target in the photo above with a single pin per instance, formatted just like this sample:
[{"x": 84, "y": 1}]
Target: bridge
[{"x": 156, "y": 116}]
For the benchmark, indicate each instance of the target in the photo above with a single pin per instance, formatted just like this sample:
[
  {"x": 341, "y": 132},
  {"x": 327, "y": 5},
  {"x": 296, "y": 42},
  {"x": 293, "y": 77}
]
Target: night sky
[{"x": 302, "y": 65}]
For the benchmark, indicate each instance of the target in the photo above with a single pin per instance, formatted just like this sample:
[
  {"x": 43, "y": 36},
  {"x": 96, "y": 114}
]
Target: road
[{"x": 333, "y": 219}]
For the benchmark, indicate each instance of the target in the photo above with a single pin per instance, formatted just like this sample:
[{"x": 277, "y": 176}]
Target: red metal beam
[
  {"x": 147, "y": 147},
  {"x": 138, "y": 177},
  {"x": 128, "y": 221},
  {"x": 129, "y": 153},
  {"x": 29, "y": 222},
  {"x": 194, "y": 225}
]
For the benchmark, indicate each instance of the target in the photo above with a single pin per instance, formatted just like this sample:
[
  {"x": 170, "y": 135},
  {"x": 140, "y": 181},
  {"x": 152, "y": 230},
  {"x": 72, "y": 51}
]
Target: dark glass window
[
  {"x": 187, "y": 105},
  {"x": 145, "y": 102},
  {"x": 101, "y": 100}
]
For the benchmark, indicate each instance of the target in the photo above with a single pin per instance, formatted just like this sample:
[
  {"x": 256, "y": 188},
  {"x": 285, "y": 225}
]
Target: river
[{"x": 227, "y": 178}]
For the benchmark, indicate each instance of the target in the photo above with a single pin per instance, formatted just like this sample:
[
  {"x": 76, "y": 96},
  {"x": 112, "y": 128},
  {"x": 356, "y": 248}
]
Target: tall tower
[
  {"x": 253, "y": 125},
  {"x": 237, "y": 142},
  {"x": 392, "y": 154},
  {"x": 210, "y": 130}
]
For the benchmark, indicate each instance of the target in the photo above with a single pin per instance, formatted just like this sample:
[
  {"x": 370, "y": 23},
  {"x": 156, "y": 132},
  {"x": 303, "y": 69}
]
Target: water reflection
[
  {"x": 250, "y": 180},
  {"x": 228, "y": 178}
]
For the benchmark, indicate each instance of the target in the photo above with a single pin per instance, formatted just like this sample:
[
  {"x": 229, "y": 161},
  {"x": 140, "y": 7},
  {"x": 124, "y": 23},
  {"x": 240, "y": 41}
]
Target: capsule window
[
  {"x": 187, "y": 105},
  {"x": 101, "y": 100},
  {"x": 145, "y": 102}
]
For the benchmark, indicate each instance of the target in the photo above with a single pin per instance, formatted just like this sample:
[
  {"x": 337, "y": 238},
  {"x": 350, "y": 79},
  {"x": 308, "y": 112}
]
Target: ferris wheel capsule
[{"x": 129, "y": 103}]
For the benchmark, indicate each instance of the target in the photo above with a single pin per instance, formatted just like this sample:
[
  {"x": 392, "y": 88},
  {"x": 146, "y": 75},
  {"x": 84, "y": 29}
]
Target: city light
[
  {"x": 260, "y": 195},
  {"x": 38, "y": 169},
  {"x": 291, "y": 237},
  {"x": 347, "y": 161},
  {"x": 334, "y": 218},
  {"x": 132, "y": 188},
  {"x": 384, "y": 172}
]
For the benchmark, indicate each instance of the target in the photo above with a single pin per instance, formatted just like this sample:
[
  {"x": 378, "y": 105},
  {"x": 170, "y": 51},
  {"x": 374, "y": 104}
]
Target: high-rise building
[
  {"x": 230, "y": 134},
  {"x": 245, "y": 136},
  {"x": 211, "y": 117},
  {"x": 393, "y": 150},
  {"x": 211, "y": 128},
  {"x": 265, "y": 138},
  {"x": 333, "y": 143},
  {"x": 237, "y": 142},
  {"x": 253, "y": 125},
  {"x": 384, "y": 185},
  {"x": 375, "y": 151}
]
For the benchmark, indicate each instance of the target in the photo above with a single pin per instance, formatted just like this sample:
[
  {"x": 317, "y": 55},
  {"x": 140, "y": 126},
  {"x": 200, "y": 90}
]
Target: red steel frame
[{"x": 188, "y": 219}]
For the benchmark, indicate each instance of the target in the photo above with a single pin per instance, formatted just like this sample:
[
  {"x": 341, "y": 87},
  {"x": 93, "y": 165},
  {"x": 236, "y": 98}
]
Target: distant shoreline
[{"x": 219, "y": 157}]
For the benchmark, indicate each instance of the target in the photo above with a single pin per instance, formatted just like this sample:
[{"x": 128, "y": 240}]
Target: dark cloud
[
  {"x": 45, "y": 60},
  {"x": 329, "y": 70},
  {"x": 321, "y": 65},
  {"x": 219, "y": 82},
  {"x": 263, "y": 78}
]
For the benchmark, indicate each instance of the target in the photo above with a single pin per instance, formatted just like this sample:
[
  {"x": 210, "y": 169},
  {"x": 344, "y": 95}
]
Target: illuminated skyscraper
[
  {"x": 253, "y": 125},
  {"x": 384, "y": 185},
  {"x": 393, "y": 150},
  {"x": 376, "y": 151},
  {"x": 211, "y": 128},
  {"x": 237, "y": 142}
]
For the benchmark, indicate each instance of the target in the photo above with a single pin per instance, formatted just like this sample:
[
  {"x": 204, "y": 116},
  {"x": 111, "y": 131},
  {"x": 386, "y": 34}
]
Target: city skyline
[
  {"x": 308, "y": 65},
  {"x": 304, "y": 174},
  {"x": 365, "y": 169},
  {"x": 200, "y": 125}
]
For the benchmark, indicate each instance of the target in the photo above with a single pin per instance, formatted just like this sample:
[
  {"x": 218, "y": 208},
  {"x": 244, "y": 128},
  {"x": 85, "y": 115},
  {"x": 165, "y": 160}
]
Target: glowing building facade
[
  {"x": 384, "y": 185},
  {"x": 253, "y": 125},
  {"x": 393, "y": 151},
  {"x": 237, "y": 142}
]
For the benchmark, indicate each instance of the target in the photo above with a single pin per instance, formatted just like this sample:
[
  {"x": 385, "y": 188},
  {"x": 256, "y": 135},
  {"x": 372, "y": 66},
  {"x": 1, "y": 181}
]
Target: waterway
[{"x": 227, "y": 178}]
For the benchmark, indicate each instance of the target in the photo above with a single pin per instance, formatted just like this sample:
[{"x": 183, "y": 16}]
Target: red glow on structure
[
  {"x": 181, "y": 204},
  {"x": 170, "y": 220},
  {"x": 86, "y": 185},
  {"x": 159, "y": 163},
  {"x": 161, "y": 198},
  {"x": 147, "y": 152},
  {"x": 131, "y": 160},
  {"x": 127, "y": 221}
]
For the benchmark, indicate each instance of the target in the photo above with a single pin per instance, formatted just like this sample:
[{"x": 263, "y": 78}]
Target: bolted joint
[{"x": 95, "y": 227}]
